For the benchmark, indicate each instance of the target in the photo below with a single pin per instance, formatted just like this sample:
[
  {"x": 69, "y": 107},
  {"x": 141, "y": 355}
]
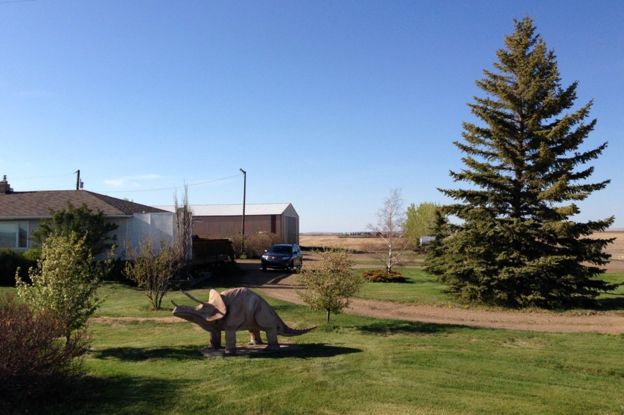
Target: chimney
[{"x": 4, "y": 186}]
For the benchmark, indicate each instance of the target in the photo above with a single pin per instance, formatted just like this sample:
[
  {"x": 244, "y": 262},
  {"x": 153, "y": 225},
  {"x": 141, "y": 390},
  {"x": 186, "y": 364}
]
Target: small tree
[
  {"x": 152, "y": 271},
  {"x": 65, "y": 282},
  {"x": 389, "y": 227},
  {"x": 420, "y": 221},
  {"x": 184, "y": 221},
  {"x": 84, "y": 222},
  {"x": 330, "y": 284}
]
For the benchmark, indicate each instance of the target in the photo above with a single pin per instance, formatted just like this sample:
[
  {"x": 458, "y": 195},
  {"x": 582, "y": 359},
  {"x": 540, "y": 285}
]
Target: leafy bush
[
  {"x": 10, "y": 262},
  {"x": 65, "y": 282},
  {"x": 153, "y": 271},
  {"x": 381, "y": 275},
  {"x": 255, "y": 244},
  {"x": 34, "y": 362},
  {"x": 330, "y": 283},
  {"x": 32, "y": 254}
]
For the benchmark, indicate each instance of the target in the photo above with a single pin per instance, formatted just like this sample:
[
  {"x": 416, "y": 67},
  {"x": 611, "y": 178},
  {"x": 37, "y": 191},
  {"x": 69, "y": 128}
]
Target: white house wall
[{"x": 157, "y": 227}]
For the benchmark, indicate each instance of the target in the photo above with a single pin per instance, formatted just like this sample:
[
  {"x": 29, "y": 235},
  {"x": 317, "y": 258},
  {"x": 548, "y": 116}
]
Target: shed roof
[
  {"x": 38, "y": 204},
  {"x": 251, "y": 209}
]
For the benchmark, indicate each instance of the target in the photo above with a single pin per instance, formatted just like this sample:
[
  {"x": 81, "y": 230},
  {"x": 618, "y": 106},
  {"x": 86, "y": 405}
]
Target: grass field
[
  {"x": 424, "y": 288},
  {"x": 420, "y": 288},
  {"x": 359, "y": 365}
]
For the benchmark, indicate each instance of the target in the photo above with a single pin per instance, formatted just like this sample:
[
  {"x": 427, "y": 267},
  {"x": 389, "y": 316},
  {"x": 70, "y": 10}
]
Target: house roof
[
  {"x": 16, "y": 205},
  {"x": 251, "y": 209}
]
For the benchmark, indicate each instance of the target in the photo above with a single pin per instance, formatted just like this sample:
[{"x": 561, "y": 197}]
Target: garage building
[{"x": 225, "y": 221}]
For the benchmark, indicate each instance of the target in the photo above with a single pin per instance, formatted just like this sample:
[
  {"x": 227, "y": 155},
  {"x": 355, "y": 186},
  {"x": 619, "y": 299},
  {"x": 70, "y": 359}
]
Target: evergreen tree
[
  {"x": 84, "y": 222},
  {"x": 516, "y": 243}
]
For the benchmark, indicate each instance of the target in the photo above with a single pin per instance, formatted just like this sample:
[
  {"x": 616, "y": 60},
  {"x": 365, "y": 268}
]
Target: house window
[
  {"x": 8, "y": 235},
  {"x": 14, "y": 235},
  {"x": 22, "y": 235}
]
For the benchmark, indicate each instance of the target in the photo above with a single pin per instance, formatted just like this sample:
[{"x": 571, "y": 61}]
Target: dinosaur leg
[
  {"x": 255, "y": 337},
  {"x": 215, "y": 339},
  {"x": 230, "y": 342},
  {"x": 272, "y": 339}
]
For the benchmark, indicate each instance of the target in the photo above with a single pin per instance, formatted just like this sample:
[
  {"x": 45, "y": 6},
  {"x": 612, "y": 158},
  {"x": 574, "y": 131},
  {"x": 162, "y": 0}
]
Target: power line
[
  {"x": 52, "y": 176},
  {"x": 156, "y": 189}
]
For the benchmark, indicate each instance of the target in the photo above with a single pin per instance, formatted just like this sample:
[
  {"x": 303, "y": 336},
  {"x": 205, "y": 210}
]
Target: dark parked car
[{"x": 286, "y": 256}]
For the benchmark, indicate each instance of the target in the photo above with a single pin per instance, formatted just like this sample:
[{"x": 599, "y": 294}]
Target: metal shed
[{"x": 225, "y": 221}]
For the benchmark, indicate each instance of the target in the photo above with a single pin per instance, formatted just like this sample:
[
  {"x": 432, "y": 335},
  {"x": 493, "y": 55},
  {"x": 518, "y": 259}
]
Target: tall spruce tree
[{"x": 516, "y": 243}]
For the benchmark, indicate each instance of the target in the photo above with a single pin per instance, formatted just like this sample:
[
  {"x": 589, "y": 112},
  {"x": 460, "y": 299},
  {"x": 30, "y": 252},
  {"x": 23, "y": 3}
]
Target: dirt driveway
[{"x": 282, "y": 286}]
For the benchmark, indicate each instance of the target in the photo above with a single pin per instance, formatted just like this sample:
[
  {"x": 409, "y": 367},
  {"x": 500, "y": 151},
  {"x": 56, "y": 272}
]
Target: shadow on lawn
[
  {"x": 611, "y": 303},
  {"x": 406, "y": 327},
  {"x": 194, "y": 352},
  {"x": 110, "y": 395},
  {"x": 140, "y": 353},
  {"x": 309, "y": 350}
]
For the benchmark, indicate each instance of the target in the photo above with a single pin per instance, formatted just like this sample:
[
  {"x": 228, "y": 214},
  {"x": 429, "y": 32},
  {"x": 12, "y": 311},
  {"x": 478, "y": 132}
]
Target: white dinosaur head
[{"x": 204, "y": 314}]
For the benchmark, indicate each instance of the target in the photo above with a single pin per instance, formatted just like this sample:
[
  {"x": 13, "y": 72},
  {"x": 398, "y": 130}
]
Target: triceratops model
[{"x": 232, "y": 310}]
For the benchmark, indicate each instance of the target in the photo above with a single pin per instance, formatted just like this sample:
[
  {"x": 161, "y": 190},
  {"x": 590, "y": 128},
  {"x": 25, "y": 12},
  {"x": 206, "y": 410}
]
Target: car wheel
[{"x": 300, "y": 266}]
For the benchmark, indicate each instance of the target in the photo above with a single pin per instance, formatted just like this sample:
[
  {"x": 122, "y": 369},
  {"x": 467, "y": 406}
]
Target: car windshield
[{"x": 281, "y": 249}]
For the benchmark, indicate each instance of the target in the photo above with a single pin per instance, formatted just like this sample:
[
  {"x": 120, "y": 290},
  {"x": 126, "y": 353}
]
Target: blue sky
[{"x": 326, "y": 104}]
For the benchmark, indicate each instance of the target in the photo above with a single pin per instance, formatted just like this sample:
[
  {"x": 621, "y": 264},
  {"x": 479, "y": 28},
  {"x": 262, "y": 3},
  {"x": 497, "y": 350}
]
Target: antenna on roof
[{"x": 78, "y": 181}]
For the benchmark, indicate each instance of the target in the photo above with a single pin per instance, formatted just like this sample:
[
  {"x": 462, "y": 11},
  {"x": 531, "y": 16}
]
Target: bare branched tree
[
  {"x": 152, "y": 269},
  {"x": 389, "y": 227},
  {"x": 184, "y": 218}
]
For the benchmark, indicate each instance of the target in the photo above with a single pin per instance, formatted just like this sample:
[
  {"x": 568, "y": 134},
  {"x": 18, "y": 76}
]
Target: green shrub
[
  {"x": 34, "y": 361},
  {"x": 381, "y": 275},
  {"x": 65, "y": 282},
  {"x": 10, "y": 262},
  {"x": 32, "y": 254}
]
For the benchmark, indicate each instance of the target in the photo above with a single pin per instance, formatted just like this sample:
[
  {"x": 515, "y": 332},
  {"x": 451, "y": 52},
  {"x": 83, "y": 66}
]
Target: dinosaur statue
[{"x": 232, "y": 310}]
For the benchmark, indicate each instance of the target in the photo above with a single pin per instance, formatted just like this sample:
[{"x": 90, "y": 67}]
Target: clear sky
[{"x": 326, "y": 104}]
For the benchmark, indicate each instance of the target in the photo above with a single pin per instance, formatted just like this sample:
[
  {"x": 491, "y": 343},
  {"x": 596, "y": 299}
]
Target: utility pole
[
  {"x": 244, "y": 201},
  {"x": 77, "y": 179}
]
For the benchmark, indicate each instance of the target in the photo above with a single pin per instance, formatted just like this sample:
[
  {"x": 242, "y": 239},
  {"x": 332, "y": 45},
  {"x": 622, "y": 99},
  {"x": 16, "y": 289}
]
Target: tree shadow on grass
[
  {"x": 110, "y": 395},
  {"x": 134, "y": 354},
  {"x": 610, "y": 303},
  {"x": 389, "y": 327}
]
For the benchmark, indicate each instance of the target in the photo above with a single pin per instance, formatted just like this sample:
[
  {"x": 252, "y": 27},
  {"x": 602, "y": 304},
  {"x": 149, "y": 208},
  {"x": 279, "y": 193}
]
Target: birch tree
[{"x": 389, "y": 227}]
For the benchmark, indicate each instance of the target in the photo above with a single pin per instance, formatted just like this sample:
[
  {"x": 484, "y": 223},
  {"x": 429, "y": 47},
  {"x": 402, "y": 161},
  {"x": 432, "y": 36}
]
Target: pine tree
[{"x": 516, "y": 243}]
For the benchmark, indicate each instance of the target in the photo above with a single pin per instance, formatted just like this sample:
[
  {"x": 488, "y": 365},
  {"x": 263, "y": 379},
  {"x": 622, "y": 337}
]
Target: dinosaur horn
[{"x": 193, "y": 298}]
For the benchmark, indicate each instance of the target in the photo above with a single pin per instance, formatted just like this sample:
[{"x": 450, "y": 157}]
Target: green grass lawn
[
  {"x": 359, "y": 365},
  {"x": 421, "y": 288},
  {"x": 425, "y": 288}
]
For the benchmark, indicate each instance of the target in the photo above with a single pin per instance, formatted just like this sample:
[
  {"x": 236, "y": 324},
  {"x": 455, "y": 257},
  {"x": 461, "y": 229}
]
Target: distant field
[
  {"x": 334, "y": 241},
  {"x": 616, "y": 249}
]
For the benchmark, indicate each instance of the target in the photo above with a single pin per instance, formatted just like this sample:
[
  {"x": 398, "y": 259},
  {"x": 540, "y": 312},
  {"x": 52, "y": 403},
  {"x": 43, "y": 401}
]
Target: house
[
  {"x": 226, "y": 221},
  {"x": 21, "y": 212}
]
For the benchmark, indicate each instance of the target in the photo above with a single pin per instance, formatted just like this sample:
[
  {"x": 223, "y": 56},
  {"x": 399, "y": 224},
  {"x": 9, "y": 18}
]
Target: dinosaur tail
[{"x": 288, "y": 332}]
